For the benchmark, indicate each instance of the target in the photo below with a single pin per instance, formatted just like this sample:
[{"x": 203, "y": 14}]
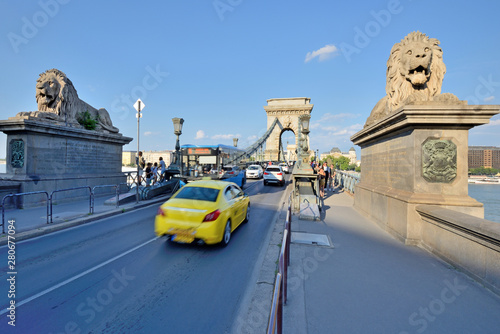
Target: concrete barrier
[{"x": 472, "y": 244}]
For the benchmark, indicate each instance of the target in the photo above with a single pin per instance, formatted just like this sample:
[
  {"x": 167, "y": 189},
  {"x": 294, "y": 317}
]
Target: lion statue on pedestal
[
  {"x": 415, "y": 72},
  {"x": 58, "y": 101}
]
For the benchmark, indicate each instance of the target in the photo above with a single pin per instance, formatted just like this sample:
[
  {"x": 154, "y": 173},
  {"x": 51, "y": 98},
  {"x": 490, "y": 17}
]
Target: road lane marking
[{"x": 69, "y": 280}]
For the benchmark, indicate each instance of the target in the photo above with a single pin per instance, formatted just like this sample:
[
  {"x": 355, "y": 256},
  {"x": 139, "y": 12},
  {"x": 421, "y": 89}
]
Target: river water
[{"x": 488, "y": 194}]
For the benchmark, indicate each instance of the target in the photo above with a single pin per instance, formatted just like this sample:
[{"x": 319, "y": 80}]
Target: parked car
[
  {"x": 254, "y": 171},
  {"x": 205, "y": 212},
  {"x": 284, "y": 167},
  {"x": 274, "y": 174}
]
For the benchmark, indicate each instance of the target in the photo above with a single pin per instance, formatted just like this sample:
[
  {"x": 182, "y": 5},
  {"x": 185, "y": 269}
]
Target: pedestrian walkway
[
  {"x": 31, "y": 222},
  {"x": 366, "y": 281}
]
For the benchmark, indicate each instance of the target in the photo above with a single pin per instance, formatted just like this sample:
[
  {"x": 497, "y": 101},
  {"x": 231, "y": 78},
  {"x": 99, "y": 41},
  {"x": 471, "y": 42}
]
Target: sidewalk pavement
[
  {"x": 366, "y": 281},
  {"x": 32, "y": 222}
]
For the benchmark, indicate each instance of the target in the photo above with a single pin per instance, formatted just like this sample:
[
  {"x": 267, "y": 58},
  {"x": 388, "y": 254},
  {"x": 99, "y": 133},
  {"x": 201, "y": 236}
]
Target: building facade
[
  {"x": 484, "y": 156},
  {"x": 337, "y": 153},
  {"x": 128, "y": 157}
]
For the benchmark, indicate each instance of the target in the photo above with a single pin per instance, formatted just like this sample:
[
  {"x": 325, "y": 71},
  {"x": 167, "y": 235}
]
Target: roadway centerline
[{"x": 69, "y": 280}]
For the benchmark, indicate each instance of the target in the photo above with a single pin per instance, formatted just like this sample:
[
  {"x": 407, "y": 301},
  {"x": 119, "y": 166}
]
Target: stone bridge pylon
[{"x": 288, "y": 112}]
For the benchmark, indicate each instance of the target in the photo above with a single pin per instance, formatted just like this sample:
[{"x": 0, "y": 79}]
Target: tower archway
[{"x": 288, "y": 111}]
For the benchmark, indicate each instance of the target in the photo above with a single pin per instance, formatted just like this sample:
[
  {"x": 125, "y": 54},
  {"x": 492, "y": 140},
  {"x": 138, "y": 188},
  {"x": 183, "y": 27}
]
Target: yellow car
[{"x": 205, "y": 212}]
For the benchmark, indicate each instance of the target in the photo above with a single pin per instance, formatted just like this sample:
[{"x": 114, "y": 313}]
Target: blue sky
[{"x": 216, "y": 62}]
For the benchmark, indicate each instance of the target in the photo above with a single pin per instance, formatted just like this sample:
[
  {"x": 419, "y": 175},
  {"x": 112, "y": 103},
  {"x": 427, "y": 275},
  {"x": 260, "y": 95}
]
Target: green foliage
[
  {"x": 87, "y": 121},
  {"x": 342, "y": 162},
  {"x": 483, "y": 171},
  {"x": 358, "y": 169}
]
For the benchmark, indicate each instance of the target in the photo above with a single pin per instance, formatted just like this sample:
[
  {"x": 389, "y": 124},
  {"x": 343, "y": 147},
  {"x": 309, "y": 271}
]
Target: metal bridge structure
[{"x": 282, "y": 115}]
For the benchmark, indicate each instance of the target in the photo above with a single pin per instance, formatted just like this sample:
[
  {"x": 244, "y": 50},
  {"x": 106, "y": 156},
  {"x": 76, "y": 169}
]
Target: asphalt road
[{"x": 116, "y": 276}]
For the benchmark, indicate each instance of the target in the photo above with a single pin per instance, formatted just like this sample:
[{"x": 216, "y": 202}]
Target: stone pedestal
[
  {"x": 418, "y": 155},
  {"x": 42, "y": 156}
]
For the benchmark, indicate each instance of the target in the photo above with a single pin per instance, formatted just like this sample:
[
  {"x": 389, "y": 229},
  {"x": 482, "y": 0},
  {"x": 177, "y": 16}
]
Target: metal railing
[
  {"x": 275, "y": 324},
  {"x": 68, "y": 189},
  {"x": 50, "y": 199},
  {"x": 22, "y": 194},
  {"x": 346, "y": 180},
  {"x": 117, "y": 193}
]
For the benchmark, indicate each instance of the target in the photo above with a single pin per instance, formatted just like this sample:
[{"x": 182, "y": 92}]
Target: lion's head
[
  {"x": 55, "y": 92},
  {"x": 415, "y": 64}
]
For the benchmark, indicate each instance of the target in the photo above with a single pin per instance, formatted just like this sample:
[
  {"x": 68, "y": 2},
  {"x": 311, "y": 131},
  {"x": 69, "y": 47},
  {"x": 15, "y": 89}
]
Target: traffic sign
[{"x": 139, "y": 105}]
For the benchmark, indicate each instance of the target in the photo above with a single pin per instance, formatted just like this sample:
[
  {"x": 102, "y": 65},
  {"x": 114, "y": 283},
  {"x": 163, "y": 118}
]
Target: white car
[
  {"x": 274, "y": 174},
  {"x": 284, "y": 167},
  {"x": 254, "y": 172}
]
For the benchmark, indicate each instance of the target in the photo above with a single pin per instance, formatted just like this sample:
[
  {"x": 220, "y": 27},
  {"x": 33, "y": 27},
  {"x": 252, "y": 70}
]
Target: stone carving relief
[
  {"x": 58, "y": 101},
  {"x": 439, "y": 161},
  {"x": 415, "y": 72},
  {"x": 17, "y": 153}
]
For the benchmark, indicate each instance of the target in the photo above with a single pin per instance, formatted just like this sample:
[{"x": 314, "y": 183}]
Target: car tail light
[
  {"x": 230, "y": 172},
  {"x": 266, "y": 173},
  {"x": 212, "y": 216},
  {"x": 161, "y": 212},
  {"x": 279, "y": 173}
]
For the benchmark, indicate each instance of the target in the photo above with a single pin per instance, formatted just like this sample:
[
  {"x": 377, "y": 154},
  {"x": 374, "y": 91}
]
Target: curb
[
  {"x": 46, "y": 229},
  {"x": 254, "y": 315}
]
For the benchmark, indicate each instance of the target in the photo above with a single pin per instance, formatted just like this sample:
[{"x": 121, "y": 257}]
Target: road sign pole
[
  {"x": 138, "y": 105},
  {"x": 138, "y": 158}
]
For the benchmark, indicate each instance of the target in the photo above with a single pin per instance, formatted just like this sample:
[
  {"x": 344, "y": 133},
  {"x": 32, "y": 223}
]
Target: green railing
[{"x": 346, "y": 180}]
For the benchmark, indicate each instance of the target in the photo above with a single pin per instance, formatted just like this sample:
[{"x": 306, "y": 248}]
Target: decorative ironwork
[
  {"x": 17, "y": 153},
  {"x": 439, "y": 161}
]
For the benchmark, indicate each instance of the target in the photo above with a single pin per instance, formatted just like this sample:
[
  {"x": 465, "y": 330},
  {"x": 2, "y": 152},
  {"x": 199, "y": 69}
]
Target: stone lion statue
[
  {"x": 415, "y": 72},
  {"x": 58, "y": 100}
]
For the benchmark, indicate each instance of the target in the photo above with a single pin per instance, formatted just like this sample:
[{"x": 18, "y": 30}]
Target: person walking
[
  {"x": 155, "y": 172},
  {"x": 332, "y": 176},
  {"x": 322, "y": 179},
  {"x": 149, "y": 174},
  {"x": 141, "y": 162},
  {"x": 163, "y": 169},
  {"x": 326, "y": 169}
]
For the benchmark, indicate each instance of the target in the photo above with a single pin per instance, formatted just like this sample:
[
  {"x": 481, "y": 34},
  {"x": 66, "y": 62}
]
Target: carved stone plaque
[
  {"x": 439, "y": 160},
  {"x": 17, "y": 153}
]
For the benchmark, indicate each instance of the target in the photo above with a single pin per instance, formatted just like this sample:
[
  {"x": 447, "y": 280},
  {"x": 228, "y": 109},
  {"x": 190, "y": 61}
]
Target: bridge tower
[{"x": 288, "y": 111}]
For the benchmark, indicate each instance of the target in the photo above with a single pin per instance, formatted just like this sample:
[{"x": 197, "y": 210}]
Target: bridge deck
[{"x": 370, "y": 282}]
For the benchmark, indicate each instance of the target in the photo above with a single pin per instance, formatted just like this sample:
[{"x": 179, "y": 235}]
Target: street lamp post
[
  {"x": 235, "y": 142},
  {"x": 178, "y": 131}
]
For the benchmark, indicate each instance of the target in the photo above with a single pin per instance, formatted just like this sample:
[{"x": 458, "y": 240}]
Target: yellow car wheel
[
  {"x": 226, "y": 234},
  {"x": 247, "y": 215}
]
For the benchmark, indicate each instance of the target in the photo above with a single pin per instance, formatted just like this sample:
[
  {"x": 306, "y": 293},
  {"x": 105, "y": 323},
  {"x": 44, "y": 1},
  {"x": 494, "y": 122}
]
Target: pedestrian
[
  {"x": 149, "y": 174},
  {"x": 163, "y": 169},
  {"x": 326, "y": 169},
  {"x": 155, "y": 172},
  {"x": 332, "y": 177},
  {"x": 141, "y": 162},
  {"x": 321, "y": 177}
]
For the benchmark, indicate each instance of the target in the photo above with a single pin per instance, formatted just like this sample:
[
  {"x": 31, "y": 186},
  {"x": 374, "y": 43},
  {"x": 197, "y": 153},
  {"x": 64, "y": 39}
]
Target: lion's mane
[{"x": 399, "y": 87}]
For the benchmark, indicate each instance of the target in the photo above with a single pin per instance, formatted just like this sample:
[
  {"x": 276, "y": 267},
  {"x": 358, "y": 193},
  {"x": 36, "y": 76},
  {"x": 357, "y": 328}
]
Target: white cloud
[
  {"x": 252, "y": 138},
  {"x": 489, "y": 98},
  {"x": 326, "y": 52},
  {"x": 493, "y": 122},
  {"x": 150, "y": 133},
  {"x": 225, "y": 137},
  {"x": 200, "y": 134}
]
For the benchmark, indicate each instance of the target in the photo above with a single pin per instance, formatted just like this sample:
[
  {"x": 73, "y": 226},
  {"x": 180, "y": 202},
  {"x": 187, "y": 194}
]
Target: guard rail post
[
  {"x": 74, "y": 188},
  {"x": 22, "y": 194},
  {"x": 276, "y": 316}
]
